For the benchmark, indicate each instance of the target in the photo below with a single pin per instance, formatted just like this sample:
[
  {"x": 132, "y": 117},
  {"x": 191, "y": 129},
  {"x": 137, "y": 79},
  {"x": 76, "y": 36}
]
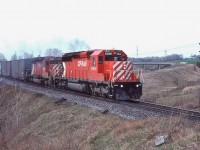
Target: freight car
[
  {"x": 5, "y": 68},
  {"x": 21, "y": 69},
  {"x": 105, "y": 73},
  {"x": 0, "y": 68}
]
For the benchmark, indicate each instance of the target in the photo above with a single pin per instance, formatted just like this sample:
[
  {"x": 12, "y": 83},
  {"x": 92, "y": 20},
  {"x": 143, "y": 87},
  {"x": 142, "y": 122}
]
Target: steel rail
[{"x": 170, "y": 109}]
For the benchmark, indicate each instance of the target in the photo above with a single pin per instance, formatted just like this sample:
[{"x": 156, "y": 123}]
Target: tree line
[
  {"x": 173, "y": 57},
  {"x": 49, "y": 52},
  {"x": 73, "y": 46}
]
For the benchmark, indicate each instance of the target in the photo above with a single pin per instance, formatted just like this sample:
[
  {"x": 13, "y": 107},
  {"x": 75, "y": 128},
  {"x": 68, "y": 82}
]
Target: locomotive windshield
[
  {"x": 54, "y": 61},
  {"x": 108, "y": 58},
  {"x": 115, "y": 58},
  {"x": 124, "y": 58}
]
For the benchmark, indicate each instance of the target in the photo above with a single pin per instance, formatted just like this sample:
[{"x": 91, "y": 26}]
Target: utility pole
[
  {"x": 137, "y": 51},
  {"x": 39, "y": 53}
]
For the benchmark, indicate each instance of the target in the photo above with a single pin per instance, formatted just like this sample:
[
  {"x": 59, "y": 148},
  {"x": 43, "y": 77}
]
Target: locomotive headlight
[
  {"x": 121, "y": 86},
  {"x": 124, "y": 66},
  {"x": 137, "y": 85}
]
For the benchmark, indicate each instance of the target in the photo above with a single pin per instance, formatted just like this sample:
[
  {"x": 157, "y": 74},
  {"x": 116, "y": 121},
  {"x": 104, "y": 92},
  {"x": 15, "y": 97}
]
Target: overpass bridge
[{"x": 155, "y": 65}]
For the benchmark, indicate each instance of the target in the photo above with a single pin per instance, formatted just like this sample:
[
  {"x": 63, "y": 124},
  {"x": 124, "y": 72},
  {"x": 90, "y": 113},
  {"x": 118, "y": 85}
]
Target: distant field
[{"x": 186, "y": 60}]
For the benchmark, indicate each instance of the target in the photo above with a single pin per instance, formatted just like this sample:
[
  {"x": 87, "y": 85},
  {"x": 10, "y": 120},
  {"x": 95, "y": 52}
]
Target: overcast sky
[{"x": 153, "y": 25}]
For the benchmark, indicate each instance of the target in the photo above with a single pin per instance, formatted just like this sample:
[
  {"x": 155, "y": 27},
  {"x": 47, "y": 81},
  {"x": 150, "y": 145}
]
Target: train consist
[{"x": 100, "y": 72}]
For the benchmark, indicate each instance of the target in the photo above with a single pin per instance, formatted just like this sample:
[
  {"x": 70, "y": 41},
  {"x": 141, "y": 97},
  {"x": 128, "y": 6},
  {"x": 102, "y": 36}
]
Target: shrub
[{"x": 198, "y": 64}]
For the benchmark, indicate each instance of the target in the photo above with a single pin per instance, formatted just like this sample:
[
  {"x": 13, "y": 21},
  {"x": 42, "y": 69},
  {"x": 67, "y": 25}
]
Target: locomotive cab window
[
  {"x": 116, "y": 58},
  {"x": 54, "y": 61},
  {"x": 108, "y": 58},
  {"x": 100, "y": 59},
  {"x": 124, "y": 58}
]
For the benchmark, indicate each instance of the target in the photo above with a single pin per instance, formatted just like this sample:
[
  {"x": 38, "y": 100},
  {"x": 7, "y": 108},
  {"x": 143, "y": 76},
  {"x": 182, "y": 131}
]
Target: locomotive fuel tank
[{"x": 77, "y": 87}]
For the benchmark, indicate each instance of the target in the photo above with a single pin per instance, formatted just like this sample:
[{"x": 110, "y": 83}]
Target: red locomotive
[
  {"x": 101, "y": 72},
  {"x": 46, "y": 70}
]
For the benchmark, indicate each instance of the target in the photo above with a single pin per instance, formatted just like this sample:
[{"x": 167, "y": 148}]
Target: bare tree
[
  {"x": 53, "y": 52},
  {"x": 27, "y": 55},
  {"x": 20, "y": 57},
  {"x": 14, "y": 56},
  {"x": 2, "y": 57},
  {"x": 78, "y": 45}
]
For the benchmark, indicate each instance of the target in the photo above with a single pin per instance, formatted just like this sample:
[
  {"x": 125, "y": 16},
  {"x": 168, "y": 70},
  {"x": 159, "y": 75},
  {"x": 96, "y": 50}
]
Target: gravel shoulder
[{"x": 127, "y": 112}]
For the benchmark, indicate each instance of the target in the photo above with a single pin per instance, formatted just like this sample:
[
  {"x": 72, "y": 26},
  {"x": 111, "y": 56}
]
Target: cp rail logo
[{"x": 82, "y": 63}]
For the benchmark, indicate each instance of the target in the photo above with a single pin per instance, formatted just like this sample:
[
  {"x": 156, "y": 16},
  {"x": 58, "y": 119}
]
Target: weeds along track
[
  {"x": 64, "y": 97},
  {"x": 161, "y": 110}
]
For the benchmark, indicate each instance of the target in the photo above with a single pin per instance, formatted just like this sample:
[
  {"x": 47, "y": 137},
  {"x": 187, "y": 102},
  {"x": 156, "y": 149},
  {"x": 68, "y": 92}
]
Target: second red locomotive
[{"x": 46, "y": 70}]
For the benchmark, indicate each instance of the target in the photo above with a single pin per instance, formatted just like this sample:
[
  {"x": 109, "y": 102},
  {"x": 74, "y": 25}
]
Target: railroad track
[
  {"x": 166, "y": 110},
  {"x": 171, "y": 110}
]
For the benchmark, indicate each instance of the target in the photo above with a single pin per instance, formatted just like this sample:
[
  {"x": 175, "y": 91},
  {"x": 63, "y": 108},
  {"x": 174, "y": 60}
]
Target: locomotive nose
[{"x": 122, "y": 71}]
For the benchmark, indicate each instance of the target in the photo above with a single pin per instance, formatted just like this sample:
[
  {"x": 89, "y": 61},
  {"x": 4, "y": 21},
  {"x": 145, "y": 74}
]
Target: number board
[
  {"x": 118, "y": 53},
  {"x": 108, "y": 53}
]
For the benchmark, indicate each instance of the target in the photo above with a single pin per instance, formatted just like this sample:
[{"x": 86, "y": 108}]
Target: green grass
[
  {"x": 103, "y": 141},
  {"x": 186, "y": 60}
]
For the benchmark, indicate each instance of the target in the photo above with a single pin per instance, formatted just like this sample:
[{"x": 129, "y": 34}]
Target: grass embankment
[
  {"x": 177, "y": 86},
  {"x": 34, "y": 121}
]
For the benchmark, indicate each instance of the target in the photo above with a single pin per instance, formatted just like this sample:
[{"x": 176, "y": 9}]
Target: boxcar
[
  {"x": 3, "y": 68},
  {"x": 25, "y": 66},
  {"x": 21, "y": 69},
  {"x": 6, "y": 68},
  {"x": 0, "y": 68},
  {"x": 15, "y": 68}
]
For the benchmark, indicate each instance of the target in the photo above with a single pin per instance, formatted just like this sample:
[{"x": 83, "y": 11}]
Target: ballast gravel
[{"x": 124, "y": 111}]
